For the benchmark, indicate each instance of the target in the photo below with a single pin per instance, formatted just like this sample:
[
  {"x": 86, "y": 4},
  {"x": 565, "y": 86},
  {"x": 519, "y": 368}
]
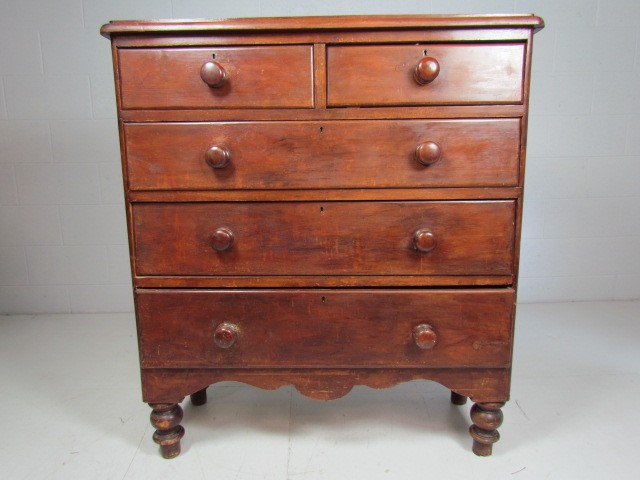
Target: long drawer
[
  {"x": 335, "y": 154},
  {"x": 255, "y": 77},
  {"x": 325, "y": 328},
  {"x": 324, "y": 238},
  {"x": 457, "y": 74}
]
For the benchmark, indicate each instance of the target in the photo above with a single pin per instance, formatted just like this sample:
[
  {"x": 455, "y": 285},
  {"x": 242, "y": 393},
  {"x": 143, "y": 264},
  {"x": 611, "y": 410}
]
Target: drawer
[
  {"x": 333, "y": 154},
  {"x": 324, "y": 238},
  {"x": 325, "y": 328},
  {"x": 384, "y": 74},
  {"x": 256, "y": 77}
]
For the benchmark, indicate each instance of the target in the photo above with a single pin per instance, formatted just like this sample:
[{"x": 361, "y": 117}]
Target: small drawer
[
  {"x": 438, "y": 74},
  {"x": 239, "y": 77},
  {"x": 325, "y": 328},
  {"x": 324, "y": 238},
  {"x": 330, "y": 154}
]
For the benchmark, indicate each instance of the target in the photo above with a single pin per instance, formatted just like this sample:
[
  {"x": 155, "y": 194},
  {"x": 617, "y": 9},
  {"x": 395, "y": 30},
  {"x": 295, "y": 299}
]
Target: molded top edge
[{"x": 348, "y": 22}]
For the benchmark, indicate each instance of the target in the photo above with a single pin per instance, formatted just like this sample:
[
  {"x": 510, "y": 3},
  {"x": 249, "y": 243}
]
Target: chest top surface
[{"x": 348, "y": 22}]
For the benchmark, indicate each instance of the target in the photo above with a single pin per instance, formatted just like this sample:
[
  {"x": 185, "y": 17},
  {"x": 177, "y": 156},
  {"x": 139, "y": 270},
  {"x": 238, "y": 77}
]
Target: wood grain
[
  {"x": 346, "y": 113},
  {"x": 324, "y": 238},
  {"x": 314, "y": 23},
  {"x": 324, "y": 281},
  {"x": 328, "y": 37},
  {"x": 350, "y": 194},
  {"x": 384, "y": 74},
  {"x": 262, "y": 77},
  {"x": 171, "y": 385},
  {"x": 325, "y": 328},
  {"x": 332, "y": 154},
  {"x": 278, "y": 199}
]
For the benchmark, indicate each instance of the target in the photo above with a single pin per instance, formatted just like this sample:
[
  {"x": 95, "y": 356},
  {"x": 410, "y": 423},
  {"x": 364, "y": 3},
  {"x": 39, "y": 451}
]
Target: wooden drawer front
[
  {"x": 384, "y": 74},
  {"x": 257, "y": 77},
  {"x": 339, "y": 154},
  {"x": 324, "y": 328},
  {"x": 324, "y": 238}
]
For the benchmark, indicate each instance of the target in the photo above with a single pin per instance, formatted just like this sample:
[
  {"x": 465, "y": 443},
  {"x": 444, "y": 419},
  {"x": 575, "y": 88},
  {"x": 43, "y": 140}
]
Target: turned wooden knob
[
  {"x": 213, "y": 74},
  {"x": 222, "y": 239},
  {"x": 424, "y": 336},
  {"x": 226, "y": 334},
  {"x": 427, "y": 153},
  {"x": 217, "y": 157},
  {"x": 424, "y": 240},
  {"x": 426, "y": 70}
]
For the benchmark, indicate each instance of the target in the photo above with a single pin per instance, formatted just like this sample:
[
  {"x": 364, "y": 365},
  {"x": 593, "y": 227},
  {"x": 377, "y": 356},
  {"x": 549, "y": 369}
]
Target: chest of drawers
[{"x": 324, "y": 202}]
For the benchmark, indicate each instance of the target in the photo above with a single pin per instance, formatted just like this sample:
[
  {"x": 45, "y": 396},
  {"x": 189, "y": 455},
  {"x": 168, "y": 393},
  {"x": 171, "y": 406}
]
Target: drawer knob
[
  {"x": 424, "y": 240},
  {"x": 217, "y": 157},
  {"x": 222, "y": 239},
  {"x": 426, "y": 70},
  {"x": 427, "y": 153},
  {"x": 226, "y": 334},
  {"x": 213, "y": 74},
  {"x": 424, "y": 336}
]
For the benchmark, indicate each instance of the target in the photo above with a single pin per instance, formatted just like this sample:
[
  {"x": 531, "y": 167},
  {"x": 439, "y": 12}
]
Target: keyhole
[
  {"x": 321, "y": 129},
  {"x": 424, "y": 52},
  {"x": 324, "y": 299},
  {"x": 321, "y": 210},
  {"x": 214, "y": 56}
]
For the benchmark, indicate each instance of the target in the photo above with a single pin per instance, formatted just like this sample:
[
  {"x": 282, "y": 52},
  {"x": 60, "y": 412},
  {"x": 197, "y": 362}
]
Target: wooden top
[{"x": 353, "y": 22}]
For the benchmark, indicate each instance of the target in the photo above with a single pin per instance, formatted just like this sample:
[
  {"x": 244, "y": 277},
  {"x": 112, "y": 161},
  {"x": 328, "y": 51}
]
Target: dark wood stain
[
  {"x": 324, "y": 238},
  {"x": 339, "y": 154},
  {"x": 324, "y": 202},
  {"x": 324, "y": 328}
]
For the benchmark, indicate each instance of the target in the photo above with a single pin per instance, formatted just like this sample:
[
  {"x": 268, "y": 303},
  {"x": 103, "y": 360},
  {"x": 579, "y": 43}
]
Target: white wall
[{"x": 62, "y": 228}]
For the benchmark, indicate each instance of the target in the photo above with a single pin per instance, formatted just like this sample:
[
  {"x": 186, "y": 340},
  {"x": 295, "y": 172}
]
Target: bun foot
[
  {"x": 458, "y": 399},
  {"x": 166, "y": 418},
  {"x": 199, "y": 398},
  {"x": 486, "y": 418}
]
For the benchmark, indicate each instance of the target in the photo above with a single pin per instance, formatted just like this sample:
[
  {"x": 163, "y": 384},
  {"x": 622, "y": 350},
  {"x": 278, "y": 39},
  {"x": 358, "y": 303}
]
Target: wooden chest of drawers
[{"x": 324, "y": 202}]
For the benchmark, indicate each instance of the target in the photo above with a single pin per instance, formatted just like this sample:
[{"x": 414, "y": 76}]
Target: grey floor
[{"x": 72, "y": 410}]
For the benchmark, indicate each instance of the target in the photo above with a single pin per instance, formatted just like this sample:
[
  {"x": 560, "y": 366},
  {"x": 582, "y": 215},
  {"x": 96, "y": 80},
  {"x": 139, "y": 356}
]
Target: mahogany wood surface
[
  {"x": 265, "y": 77},
  {"x": 478, "y": 384},
  {"x": 486, "y": 418},
  {"x": 214, "y": 74},
  {"x": 426, "y": 70},
  {"x": 324, "y": 202},
  {"x": 339, "y": 154},
  {"x": 328, "y": 281},
  {"x": 324, "y": 238},
  {"x": 166, "y": 418},
  {"x": 310, "y": 114},
  {"x": 324, "y": 328},
  {"x": 360, "y": 194},
  {"x": 385, "y": 74},
  {"x": 424, "y": 336},
  {"x": 327, "y": 37},
  {"x": 314, "y": 23},
  {"x": 428, "y": 153}
]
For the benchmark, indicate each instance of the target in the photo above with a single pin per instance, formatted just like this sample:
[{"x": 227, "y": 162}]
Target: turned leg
[
  {"x": 486, "y": 418},
  {"x": 458, "y": 399},
  {"x": 199, "y": 398},
  {"x": 166, "y": 418}
]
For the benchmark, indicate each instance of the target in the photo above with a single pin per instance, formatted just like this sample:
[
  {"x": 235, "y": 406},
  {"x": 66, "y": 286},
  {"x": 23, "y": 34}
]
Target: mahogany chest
[{"x": 324, "y": 202}]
